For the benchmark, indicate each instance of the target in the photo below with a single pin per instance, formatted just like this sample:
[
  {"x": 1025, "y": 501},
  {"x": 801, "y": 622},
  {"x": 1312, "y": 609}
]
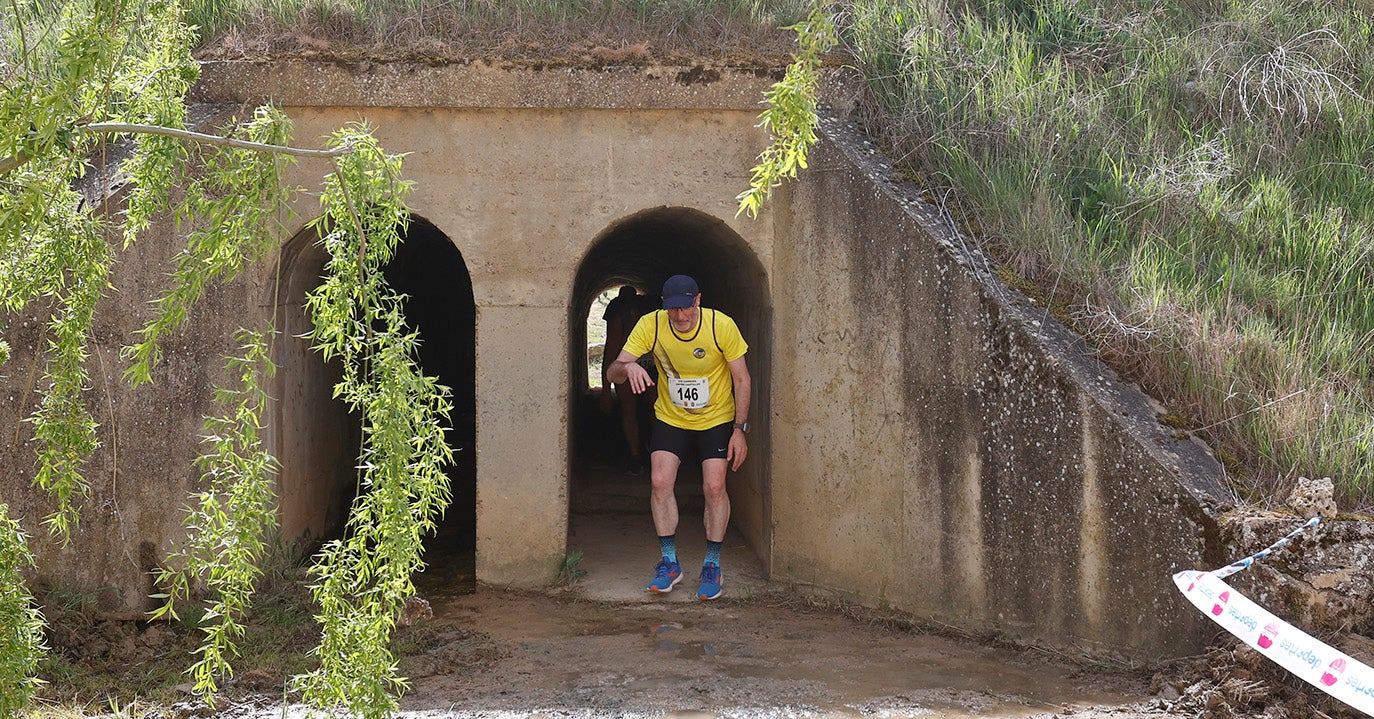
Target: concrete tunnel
[
  {"x": 642, "y": 250},
  {"x": 979, "y": 441},
  {"x": 317, "y": 438}
]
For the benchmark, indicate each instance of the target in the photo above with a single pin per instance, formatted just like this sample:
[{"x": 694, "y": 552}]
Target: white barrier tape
[
  {"x": 1311, "y": 660},
  {"x": 1244, "y": 564}
]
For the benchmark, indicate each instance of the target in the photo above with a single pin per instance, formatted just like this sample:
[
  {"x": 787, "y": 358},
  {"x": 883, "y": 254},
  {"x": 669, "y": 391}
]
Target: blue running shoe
[
  {"x": 711, "y": 579},
  {"x": 666, "y": 576}
]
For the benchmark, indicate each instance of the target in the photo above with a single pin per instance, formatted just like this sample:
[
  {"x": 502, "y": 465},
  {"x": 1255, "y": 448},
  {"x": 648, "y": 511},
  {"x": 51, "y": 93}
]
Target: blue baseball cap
[{"x": 679, "y": 291}]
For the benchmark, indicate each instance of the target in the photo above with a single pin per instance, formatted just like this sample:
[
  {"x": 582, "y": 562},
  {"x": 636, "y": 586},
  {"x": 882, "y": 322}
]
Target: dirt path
[
  {"x": 561, "y": 655},
  {"x": 604, "y": 648}
]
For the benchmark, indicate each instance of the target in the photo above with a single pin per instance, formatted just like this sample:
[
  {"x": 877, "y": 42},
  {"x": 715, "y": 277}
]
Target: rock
[
  {"x": 259, "y": 680},
  {"x": 1322, "y": 582},
  {"x": 415, "y": 609},
  {"x": 1312, "y": 497}
]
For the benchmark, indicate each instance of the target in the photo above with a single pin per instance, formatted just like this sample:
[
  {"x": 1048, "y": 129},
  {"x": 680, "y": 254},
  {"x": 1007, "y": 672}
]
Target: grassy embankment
[{"x": 1186, "y": 183}]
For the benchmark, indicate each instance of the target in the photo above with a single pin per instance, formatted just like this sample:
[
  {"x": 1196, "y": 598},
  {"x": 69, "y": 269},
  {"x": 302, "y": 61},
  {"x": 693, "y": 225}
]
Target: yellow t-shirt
[{"x": 695, "y": 388}]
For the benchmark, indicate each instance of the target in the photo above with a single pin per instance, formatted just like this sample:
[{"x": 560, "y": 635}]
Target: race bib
[{"x": 692, "y": 393}]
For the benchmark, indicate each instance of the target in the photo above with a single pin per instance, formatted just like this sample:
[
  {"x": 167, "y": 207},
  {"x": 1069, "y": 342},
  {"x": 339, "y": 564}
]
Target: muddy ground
[
  {"x": 557, "y": 654},
  {"x": 756, "y": 658},
  {"x": 762, "y": 651}
]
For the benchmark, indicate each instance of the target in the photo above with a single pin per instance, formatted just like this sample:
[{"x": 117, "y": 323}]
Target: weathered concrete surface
[
  {"x": 521, "y": 494},
  {"x": 141, "y": 474},
  {"x": 925, "y": 440},
  {"x": 945, "y": 448}
]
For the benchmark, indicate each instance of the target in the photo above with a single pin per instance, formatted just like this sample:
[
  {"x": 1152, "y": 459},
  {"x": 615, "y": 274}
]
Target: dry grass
[{"x": 597, "y": 34}]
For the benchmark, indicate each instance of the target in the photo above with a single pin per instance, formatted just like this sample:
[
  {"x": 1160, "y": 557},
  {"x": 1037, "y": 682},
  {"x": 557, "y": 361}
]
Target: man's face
[{"x": 685, "y": 318}]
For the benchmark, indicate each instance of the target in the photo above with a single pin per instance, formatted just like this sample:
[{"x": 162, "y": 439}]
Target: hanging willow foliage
[
  {"x": 363, "y": 579},
  {"x": 229, "y": 521},
  {"x": 21, "y": 625},
  {"x": 80, "y": 73},
  {"x": 790, "y": 116}
]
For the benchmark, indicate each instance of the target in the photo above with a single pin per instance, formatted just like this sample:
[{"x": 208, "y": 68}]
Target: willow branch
[
  {"x": 7, "y": 164},
  {"x": 10, "y": 163},
  {"x": 209, "y": 139}
]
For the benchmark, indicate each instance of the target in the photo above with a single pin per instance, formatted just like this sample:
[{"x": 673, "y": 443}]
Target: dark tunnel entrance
[
  {"x": 641, "y": 251},
  {"x": 430, "y": 271},
  {"x": 317, "y": 437}
]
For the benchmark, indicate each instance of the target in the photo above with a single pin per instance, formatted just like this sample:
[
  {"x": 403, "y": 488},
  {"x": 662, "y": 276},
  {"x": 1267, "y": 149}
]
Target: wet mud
[
  {"x": 741, "y": 659},
  {"x": 559, "y": 654}
]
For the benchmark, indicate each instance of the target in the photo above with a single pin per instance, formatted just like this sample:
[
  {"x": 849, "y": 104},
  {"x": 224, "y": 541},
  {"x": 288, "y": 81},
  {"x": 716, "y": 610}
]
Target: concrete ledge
[{"x": 481, "y": 85}]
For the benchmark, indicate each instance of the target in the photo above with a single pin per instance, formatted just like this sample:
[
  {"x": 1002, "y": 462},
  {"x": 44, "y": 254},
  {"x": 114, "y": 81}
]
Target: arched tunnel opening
[
  {"x": 430, "y": 271},
  {"x": 318, "y": 438},
  {"x": 641, "y": 251}
]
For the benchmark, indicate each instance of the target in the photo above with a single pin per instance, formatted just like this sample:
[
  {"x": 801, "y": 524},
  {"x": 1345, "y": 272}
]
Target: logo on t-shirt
[{"x": 698, "y": 353}]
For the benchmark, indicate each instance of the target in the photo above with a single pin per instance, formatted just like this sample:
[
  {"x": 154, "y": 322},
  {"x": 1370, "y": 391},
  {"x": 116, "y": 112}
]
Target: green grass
[
  {"x": 570, "y": 570},
  {"x": 486, "y": 24},
  {"x": 1193, "y": 181},
  {"x": 216, "y": 14}
]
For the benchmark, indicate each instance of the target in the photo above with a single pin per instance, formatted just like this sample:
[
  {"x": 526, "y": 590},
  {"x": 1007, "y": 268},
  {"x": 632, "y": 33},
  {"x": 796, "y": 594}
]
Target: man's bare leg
[
  {"x": 717, "y": 499},
  {"x": 717, "y": 519},
  {"x": 662, "y": 501}
]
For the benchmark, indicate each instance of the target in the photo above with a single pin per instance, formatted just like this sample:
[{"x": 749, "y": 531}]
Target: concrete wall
[
  {"x": 142, "y": 473},
  {"x": 942, "y": 447},
  {"x": 524, "y": 193},
  {"x": 926, "y": 440}
]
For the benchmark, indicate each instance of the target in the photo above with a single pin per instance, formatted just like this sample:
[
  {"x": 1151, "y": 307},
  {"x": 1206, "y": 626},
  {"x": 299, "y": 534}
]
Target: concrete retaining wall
[{"x": 944, "y": 448}]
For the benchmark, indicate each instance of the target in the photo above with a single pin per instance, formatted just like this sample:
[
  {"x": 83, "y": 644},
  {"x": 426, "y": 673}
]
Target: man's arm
[
  {"x": 739, "y": 447},
  {"x": 739, "y": 373},
  {"x": 626, "y": 369}
]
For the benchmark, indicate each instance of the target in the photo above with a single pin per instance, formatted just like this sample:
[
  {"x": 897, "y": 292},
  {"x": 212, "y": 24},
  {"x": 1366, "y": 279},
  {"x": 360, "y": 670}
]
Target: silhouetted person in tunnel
[
  {"x": 702, "y": 412},
  {"x": 621, "y": 314}
]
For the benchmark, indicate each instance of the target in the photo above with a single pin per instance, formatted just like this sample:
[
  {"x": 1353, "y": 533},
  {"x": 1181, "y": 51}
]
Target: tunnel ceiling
[{"x": 646, "y": 248}]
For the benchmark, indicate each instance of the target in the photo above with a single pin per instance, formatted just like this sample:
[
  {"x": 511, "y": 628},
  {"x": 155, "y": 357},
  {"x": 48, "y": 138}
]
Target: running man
[
  {"x": 701, "y": 413},
  {"x": 621, "y": 315}
]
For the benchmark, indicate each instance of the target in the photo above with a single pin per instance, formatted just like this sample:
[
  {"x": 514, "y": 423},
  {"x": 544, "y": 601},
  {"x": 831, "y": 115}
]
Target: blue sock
[
  {"x": 668, "y": 547},
  {"x": 712, "y": 553}
]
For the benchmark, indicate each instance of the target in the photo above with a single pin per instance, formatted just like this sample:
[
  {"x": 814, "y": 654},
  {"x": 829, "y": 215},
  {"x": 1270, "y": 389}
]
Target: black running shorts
[{"x": 690, "y": 444}]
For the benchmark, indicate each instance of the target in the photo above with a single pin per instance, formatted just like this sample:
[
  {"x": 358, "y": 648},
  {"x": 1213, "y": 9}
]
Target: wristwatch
[{"x": 742, "y": 426}]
